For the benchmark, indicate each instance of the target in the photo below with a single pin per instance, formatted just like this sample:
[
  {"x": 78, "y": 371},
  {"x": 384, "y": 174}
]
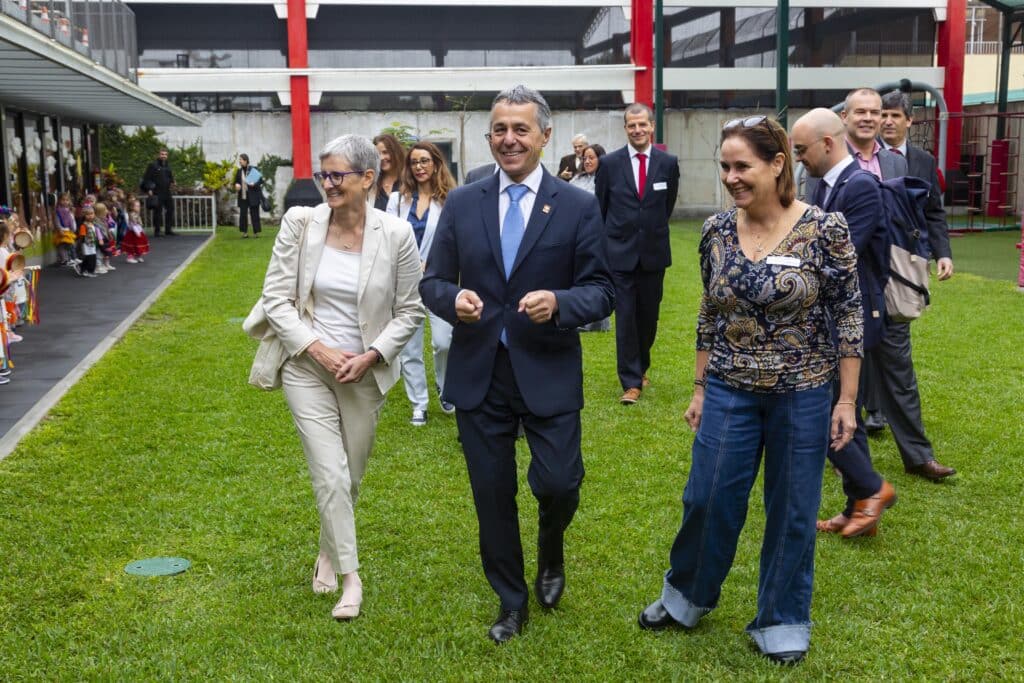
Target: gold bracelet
[{"x": 846, "y": 403}]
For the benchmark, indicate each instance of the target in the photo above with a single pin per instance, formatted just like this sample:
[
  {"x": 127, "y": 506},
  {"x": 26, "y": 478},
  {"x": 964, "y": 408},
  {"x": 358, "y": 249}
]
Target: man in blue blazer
[
  {"x": 819, "y": 142},
  {"x": 637, "y": 187},
  {"x": 516, "y": 267}
]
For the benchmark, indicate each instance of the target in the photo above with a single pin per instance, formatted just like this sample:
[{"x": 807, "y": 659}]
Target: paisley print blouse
[{"x": 768, "y": 325}]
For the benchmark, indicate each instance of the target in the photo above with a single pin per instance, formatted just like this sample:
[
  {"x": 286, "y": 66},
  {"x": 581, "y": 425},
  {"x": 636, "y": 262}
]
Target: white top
[
  {"x": 633, "y": 151},
  {"x": 532, "y": 181},
  {"x": 584, "y": 181},
  {"x": 833, "y": 175},
  {"x": 335, "y": 299}
]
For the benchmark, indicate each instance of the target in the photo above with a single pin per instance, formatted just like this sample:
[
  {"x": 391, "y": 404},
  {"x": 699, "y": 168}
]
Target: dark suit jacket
[
  {"x": 637, "y": 229},
  {"x": 922, "y": 165},
  {"x": 892, "y": 166},
  {"x": 479, "y": 173},
  {"x": 562, "y": 251},
  {"x": 158, "y": 178},
  {"x": 253, "y": 195},
  {"x": 569, "y": 162},
  {"x": 857, "y": 195}
]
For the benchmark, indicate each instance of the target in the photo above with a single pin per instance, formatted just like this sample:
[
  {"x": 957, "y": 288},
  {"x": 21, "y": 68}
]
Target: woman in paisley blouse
[{"x": 779, "y": 330}]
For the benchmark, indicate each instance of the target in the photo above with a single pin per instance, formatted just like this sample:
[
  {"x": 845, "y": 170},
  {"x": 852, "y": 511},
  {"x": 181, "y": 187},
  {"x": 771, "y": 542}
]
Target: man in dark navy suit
[
  {"x": 516, "y": 267},
  {"x": 637, "y": 187},
  {"x": 819, "y": 142}
]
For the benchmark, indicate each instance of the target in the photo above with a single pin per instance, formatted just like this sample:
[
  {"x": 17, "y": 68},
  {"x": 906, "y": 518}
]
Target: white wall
[{"x": 691, "y": 135}]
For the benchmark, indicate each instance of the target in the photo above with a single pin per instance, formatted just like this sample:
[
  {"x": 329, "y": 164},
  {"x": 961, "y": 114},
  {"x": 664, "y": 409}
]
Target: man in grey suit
[
  {"x": 891, "y": 383},
  {"x": 480, "y": 172}
]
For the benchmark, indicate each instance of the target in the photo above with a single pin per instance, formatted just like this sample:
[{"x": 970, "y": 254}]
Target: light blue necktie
[
  {"x": 514, "y": 227},
  {"x": 512, "y": 233}
]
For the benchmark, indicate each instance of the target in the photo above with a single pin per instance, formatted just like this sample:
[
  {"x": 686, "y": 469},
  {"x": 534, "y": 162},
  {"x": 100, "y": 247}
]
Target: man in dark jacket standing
[
  {"x": 636, "y": 187},
  {"x": 157, "y": 183}
]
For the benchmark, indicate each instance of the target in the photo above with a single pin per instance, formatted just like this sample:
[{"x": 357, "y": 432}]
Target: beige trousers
[{"x": 336, "y": 424}]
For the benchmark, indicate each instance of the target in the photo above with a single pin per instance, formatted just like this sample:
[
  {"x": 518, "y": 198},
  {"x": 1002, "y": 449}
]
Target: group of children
[
  {"x": 14, "y": 298},
  {"x": 88, "y": 241}
]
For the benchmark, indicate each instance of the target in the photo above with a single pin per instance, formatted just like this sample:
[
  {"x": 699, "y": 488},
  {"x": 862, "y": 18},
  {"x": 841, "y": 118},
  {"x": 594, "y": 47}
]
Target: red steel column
[
  {"x": 641, "y": 49},
  {"x": 952, "y": 45},
  {"x": 298, "y": 58}
]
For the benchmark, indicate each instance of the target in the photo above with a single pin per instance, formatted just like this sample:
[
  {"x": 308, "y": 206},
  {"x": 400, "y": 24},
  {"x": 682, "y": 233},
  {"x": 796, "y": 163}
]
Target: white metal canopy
[{"x": 39, "y": 74}]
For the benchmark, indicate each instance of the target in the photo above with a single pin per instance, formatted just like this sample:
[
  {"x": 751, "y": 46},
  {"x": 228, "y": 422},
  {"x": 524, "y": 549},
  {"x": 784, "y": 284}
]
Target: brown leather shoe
[
  {"x": 631, "y": 396},
  {"x": 645, "y": 381},
  {"x": 834, "y": 525},
  {"x": 868, "y": 511},
  {"x": 931, "y": 470}
]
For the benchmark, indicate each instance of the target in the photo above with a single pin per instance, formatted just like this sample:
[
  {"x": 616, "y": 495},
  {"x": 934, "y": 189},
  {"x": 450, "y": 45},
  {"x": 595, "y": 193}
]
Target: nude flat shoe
[
  {"x": 345, "y": 611},
  {"x": 322, "y": 587}
]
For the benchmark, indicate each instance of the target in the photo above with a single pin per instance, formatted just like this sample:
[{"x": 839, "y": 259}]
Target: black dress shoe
[
  {"x": 656, "y": 617},
  {"x": 549, "y": 586},
  {"x": 874, "y": 423},
  {"x": 789, "y": 657},
  {"x": 510, "y": 623}
]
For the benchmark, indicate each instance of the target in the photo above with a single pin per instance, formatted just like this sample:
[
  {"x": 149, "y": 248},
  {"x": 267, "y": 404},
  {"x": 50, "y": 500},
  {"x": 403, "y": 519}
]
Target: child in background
[
  {"x": 10, "y": 308},
  {"x": 135, "y": 242},
  {"x": 104, "y": 242},
  {"x": 87, "y": 242},
  {"x": 65, "y": 235}
]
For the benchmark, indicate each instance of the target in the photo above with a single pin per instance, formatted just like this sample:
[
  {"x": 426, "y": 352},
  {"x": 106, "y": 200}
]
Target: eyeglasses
[
  {"x": 415, "y": 163},
  {"x": 800, "y": 150},
  {"x": 749, "y": 122},
  {"x": 336, "y": 178}
]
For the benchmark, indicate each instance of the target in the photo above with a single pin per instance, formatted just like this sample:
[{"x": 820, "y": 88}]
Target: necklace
[{"x": 759, "y": 239}]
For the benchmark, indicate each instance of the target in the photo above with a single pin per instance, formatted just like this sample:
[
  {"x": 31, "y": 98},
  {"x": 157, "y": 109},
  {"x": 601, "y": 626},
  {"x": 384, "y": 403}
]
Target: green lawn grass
[
  {"x": 162, "y": 449},
  {"x": 989, "y": 254}
]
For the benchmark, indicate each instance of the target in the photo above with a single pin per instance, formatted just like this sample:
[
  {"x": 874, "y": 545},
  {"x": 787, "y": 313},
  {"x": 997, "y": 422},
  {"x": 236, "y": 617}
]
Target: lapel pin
[{"x": 546, "y": 208}]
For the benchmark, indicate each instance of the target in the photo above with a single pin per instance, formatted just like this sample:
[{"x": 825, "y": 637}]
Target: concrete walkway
[{"x": 80, "y": 319}]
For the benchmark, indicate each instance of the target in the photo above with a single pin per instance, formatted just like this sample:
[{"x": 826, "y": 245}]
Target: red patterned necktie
[
  {"x": 642, "y": 176},
  {"x": 896, "y": 150}
]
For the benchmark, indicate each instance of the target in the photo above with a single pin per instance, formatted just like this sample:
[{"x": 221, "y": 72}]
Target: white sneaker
[
  {"x": 141, "y": 260},
  {"x": 87, "y": 274},
  {"x": 4, "y": 380},
  {"x": 13, "y": 336},
  {"x": 419, "y": 418},
  {"x": 110, "y": 266},
  {"x": 130, "y": 259},
  {"x": 101, "y": 270}
]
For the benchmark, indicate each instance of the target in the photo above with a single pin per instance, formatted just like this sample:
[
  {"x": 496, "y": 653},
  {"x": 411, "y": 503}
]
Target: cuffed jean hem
[
  {"x": 782, "y": 638},
  {"x": 681, "y": 609}
]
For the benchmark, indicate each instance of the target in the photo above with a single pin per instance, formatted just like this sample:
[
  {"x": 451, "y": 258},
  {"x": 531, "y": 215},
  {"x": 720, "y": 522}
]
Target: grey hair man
[
  {"x": 571, "y": 165},
  {"x": 516, "y": 267}
]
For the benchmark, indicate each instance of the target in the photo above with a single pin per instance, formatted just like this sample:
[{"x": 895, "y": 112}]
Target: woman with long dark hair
[
  {"x": 392, "y": 162},
  {"x": 426, "y": 183}
]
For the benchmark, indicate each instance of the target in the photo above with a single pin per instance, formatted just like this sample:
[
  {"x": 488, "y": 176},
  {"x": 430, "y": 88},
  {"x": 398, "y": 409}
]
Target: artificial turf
[{"x": 162, "y": 449}]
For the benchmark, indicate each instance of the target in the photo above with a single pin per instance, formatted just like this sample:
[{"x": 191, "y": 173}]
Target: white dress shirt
[
  {"x": 901, "y": 148},
  {"x": 833, "y": 175}
]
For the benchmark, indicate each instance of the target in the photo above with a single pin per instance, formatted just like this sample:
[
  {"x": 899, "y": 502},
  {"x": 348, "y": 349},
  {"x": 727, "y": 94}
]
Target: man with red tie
[{"x": 636, "y": 187}]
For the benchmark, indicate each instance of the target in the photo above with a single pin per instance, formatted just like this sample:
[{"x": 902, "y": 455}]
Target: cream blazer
[{"x": 388, "y": 298}]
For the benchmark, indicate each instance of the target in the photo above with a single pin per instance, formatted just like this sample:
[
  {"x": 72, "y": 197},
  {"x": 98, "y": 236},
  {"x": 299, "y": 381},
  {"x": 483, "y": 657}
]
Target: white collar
[
  {"x": 531, "y": 181},
  {"x": 901, "y": 148},
  {"x": 633, "y": 151},
  {"x": 833, "y": 174}
]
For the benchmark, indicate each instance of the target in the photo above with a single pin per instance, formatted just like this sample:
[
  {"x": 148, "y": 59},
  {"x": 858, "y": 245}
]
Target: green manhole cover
[{"x": 158, "y": 566}]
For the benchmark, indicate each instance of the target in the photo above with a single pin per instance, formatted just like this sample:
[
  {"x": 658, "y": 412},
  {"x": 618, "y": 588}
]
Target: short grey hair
[
  {"x": 520, "y": 94},
  {"x": 358, "y": 151},
  {"x": 638, "y": 108},
  {"x": 579, "y": 137},
  {"x": 898, "y": 100},
  {"x": 859, "y": 91}
]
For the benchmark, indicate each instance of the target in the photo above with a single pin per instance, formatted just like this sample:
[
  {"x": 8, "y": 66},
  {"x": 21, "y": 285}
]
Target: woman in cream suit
[
  {"x": 341, "y": 296},
  {"x": 426, "y": 183}
]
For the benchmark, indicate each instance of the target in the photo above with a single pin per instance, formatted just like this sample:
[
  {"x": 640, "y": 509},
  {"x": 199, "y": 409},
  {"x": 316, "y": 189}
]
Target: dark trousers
[
  {"x": 89, "y": 263},
  {"x": 247, "y": 213},
  {"x": 637, "y": 302},
  {"x": 860, "y": 480},
  {"x": 163, "y": 216},
  {"x": 488, "y": 435},
  {"x": 890, "y": 386}
]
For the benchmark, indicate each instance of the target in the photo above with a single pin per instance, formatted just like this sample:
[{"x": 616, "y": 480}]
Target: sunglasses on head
[{"x": 748, "y": 122}]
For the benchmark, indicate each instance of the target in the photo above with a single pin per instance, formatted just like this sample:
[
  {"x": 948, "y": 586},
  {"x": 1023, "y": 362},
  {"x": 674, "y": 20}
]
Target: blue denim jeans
[{"x": 792, "y": 431}]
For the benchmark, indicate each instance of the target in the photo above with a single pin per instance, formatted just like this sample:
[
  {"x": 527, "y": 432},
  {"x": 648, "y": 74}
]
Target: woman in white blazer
[
  {"x": 341, "y": 296},
  {"x": 426, "y": 183}
]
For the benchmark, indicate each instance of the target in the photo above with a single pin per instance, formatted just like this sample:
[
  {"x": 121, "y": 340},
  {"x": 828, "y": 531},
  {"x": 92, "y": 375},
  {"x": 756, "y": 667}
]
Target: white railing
[{"x": 192, "y": 213}]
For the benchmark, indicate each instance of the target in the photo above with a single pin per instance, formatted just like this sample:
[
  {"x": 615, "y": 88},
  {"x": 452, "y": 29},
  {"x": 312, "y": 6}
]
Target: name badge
[
  {"x": 659, "y": 186},
  {"x": 783, "y": 261}
]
